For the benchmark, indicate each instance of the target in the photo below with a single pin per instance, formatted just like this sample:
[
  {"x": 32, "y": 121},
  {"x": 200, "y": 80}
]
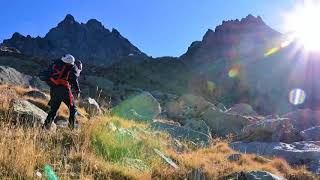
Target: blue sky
[{"x": 157, "y": 27}]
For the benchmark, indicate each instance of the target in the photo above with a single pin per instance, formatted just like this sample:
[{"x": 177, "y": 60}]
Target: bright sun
[{"x": 304, "y": 25}]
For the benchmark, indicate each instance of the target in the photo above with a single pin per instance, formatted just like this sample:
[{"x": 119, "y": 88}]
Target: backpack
[
  {"x": 44, "y": 75},
  {"x": 54, "y": 75}
]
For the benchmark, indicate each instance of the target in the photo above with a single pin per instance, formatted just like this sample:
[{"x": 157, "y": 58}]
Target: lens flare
[
  {"x": 303, "y": 24},
  {"x": 297, "y": 96},
  {"x": 271, "y": 51},
  {"x": 234, "y": 72},
  {"x": 211, "y": 86}
]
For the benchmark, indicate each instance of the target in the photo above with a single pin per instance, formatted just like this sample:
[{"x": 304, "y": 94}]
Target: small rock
[
  {"x": 196, "y": 174},
  {"x": 179, "y": 132},
  {"x": 91, "y": 106},
  {"x": 311, "y": 134},
  {"x": 234, "y": 157},
  {"x": 38, "y": 174},
  {"x": 36, "y": 94},
  {"x": 243, "y": 110},
  {"x": 135, "y": 163},
  {"x": 254, "y": 175},
  {"x": 167, "y": 159}
]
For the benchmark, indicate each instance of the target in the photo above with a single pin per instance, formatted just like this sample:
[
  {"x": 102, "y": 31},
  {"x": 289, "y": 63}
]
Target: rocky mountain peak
[
  {"x": 249, "y": 23},
  {"x": 93, "y": 23},
  {"x": 233, "y": 38},
  {"x": 252, "y": 19},
  {"x": 17, "y": 35},
  {"x": 69, "y": 19},
  {"x": 91, "y": 42}
]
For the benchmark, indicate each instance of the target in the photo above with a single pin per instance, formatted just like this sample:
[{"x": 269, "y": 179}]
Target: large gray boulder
[
  {"x": 223, "y": 124},
  {"x": 24, "y": 113},
  {"x": 271, "y": 130},
  {"x": 255, "y": 175},
  {"x": 142, "y": 107},
  {"x": 303, "y": 119},
  {"x": 311, "y": 134},
  {"x": 197, "y": 125},
  {"x": 297, "y": 153},
  {"x": 182, "y": 133},
  {"x": 10, "y": 75},
  {"x": 243, "y": 110},
  {"x": 187, "y": 106}
]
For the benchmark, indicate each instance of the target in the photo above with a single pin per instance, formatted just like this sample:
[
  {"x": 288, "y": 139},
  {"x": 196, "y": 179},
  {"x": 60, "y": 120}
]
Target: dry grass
[{"x": 97, "y": 152}]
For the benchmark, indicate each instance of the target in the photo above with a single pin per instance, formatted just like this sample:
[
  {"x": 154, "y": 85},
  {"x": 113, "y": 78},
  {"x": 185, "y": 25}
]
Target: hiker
[{"x": 63, "y": 76}]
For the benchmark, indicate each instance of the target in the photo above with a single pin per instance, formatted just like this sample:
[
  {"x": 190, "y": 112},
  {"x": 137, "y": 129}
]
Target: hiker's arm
[{"x": 74, "y": 81}]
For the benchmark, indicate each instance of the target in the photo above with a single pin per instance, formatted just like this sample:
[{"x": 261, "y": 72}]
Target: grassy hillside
[{"x": 108, "y": 147}]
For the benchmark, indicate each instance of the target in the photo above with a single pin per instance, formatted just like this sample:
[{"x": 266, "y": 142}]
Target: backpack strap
[{"x": 59, "y": 72}]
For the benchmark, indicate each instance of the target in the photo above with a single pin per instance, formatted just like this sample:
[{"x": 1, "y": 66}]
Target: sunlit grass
[{"x": 107, "y": 147}]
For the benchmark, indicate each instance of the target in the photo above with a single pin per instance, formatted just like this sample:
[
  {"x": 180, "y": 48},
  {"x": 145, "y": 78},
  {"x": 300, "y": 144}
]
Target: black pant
[{"x": 61, "y": 94}]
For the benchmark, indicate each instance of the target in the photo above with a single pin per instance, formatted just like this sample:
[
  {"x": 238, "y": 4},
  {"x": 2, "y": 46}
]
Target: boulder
[
  {"x": 10, "y": 75},
  {"x": 91, "y": 106},
  {"x": 142, "y": 107},
  {"x": 303, "y": 119},
  {"x": 311, "y": 134},
  {"x": 187, "y": 106},
  {"x": 36, "y": 94},
  {"x": 197, "y": 125},
  {"x": 25, "y": 113},
  {"x": 221, "y": 107},
  {"x": 182, "y": 133},
  {"x": 297, "y": 153},
  {"x": 271, "y": 130},
  {"x": 223, "y": 124},
  {"x": 255, "y": 175},
  {"x": 243, "y": 110}
]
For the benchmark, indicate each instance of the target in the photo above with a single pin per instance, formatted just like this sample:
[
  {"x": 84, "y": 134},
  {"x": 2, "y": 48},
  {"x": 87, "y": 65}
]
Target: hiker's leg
[
  {"x": 69, "y": 101},
  {"x": 54, "y": 103},
  {"x": 73, "y": 116}
]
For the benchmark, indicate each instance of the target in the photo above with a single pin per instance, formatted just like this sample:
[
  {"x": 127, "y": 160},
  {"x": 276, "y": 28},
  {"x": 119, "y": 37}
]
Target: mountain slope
[
  {"x": 233, "y": 39},
  {"x": 91, "y": 42}
]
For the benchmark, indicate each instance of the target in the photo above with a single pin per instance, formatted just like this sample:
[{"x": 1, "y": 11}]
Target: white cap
[{"x": 68, "y": 58}]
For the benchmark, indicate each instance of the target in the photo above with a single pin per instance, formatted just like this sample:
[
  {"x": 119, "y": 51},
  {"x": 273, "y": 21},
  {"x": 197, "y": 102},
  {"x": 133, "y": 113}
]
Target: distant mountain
[
  {"x": 232, "y": 39},
  {"x": 91, "y": 42}
]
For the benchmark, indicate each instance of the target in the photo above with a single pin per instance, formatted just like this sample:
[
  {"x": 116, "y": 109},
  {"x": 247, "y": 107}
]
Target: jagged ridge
[{"x": 91, "y": 42}]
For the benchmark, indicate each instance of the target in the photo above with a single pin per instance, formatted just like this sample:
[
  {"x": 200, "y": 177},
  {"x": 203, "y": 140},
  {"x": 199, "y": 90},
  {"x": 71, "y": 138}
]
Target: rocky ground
[{"x": 129, "y": 141}]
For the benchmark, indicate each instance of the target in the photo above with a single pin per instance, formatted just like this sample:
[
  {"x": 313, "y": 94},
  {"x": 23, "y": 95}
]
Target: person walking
[{"x": 64, "y": 76}]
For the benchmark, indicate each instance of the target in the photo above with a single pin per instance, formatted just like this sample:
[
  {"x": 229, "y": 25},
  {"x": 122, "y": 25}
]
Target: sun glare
[{"x": 303, "y": 24}]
